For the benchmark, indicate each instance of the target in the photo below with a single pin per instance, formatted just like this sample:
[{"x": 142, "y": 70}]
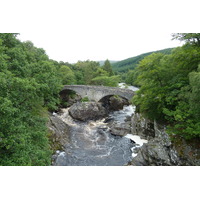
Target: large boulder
[
  {"x": 114, "y": 103},
  {"x": 84, "y": 111},
  {"x": 120, "y": 129},
  {"x": 117, "y": 103}
]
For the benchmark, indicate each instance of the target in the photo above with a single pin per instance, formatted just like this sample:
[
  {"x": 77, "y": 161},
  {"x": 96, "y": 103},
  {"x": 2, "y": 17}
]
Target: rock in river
[
  {"x": 117, "y": 103},
  {"x": 84, "y": 111},
  {"x": 120, "y": 129}
]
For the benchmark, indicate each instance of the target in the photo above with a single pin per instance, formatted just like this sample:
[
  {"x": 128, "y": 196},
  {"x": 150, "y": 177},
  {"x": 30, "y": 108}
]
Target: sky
[
  {"x": 98, "y": 46},
  {"x": 96, "y": 29}
]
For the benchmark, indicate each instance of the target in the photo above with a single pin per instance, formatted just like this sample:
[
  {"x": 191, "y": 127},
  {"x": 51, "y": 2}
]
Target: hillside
[{"x": 131, "y": 63}]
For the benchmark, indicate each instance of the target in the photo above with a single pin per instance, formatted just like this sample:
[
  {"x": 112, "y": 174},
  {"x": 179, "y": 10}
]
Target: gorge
[
  {"x": 105, "y": 141},
  {"x": 89, "y": 135}
]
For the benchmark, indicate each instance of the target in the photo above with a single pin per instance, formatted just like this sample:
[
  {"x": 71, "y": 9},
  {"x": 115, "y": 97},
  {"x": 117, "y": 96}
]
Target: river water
[{"x": 92, "y": 144}]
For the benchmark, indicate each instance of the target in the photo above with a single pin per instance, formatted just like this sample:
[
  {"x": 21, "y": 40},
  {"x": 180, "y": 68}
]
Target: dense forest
[
  {"x": 170, "y": 87},
  {"x": 29, "y": 88},
  {"x": 130, "y": 63},
  {"x": 30, "y": 84}
]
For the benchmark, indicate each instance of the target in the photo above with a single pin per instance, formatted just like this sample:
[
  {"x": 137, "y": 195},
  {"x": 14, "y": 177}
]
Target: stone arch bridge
[{"x": 96, "y": 93}]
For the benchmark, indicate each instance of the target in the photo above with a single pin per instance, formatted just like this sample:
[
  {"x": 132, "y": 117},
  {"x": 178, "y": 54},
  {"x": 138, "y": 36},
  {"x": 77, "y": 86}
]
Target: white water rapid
[{"x": 92, "y": 144}]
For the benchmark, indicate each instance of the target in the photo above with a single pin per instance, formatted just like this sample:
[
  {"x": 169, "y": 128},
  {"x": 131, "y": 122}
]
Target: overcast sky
[
  {"x": 72, "y": 30},
  {"x": 98, "y": 45}
]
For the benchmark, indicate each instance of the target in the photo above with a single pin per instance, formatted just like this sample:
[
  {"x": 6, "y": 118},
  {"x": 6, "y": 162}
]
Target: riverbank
[{"x": 162, "y": 149}]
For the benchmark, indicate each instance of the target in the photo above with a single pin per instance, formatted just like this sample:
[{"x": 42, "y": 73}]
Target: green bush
[{"x": 85, "y": 99}]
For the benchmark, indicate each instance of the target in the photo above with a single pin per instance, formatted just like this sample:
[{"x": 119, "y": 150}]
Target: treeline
[
  {"x": 170, "y": 87},
  {"x": 89, "y": 73},
  {"x": 129, "y": 64}
]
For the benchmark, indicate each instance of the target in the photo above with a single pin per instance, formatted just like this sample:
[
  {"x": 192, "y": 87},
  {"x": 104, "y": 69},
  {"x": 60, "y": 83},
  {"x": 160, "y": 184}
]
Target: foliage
[
  {"x": 170, "y": 89},
  {"x": 191, "y": 38},
  {"x": 131, "y": 63},
  {"x": 194, "y": 97},
  {"x": 108, "y": 68},
  {"x": 67, "y": 75},
  {"x": 90, "y": 73},
  {"x": 86, "y": 71},
  {"x": 85, "y": 99},
  {"x": 111, "y": 81},
  {"x": 29, "y": 87}
]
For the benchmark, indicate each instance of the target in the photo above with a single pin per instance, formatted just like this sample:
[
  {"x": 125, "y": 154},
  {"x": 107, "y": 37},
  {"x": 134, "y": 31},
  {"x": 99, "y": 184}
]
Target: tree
[
  {"x": 194, "y": 98},
  {"x": 101, "y": 72},
  {"x": 107, "y": 67},
  {"x": 87, "y": 69},
  {"x": 111, "y": 81},
  {"x": 170, "y": 88},
  {"x": 22, "y": 126},
  {"x": 67, "y": 75},
  {"x": 191, "y": 38},
  {"x": 29, "y": 86}
]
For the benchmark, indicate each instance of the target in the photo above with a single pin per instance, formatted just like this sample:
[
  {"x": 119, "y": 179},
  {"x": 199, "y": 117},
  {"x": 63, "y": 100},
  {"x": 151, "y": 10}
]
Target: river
[{"x": 92, "y": 144}]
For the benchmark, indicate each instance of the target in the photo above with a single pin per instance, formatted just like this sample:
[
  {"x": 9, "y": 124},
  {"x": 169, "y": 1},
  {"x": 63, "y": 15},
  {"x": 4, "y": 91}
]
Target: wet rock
[
  {"x": 160, "y": 133},
  {"x": 120, "y": 129},
  {"x": 117, "y": 103},
  {"x": 60, "y": 159},
  {"x": 142, "y": 126},
  {"x": 128, "y": 119},
  {"x": 114, "y": 103},
  {"x": 159, "y": 149},
  {"x": 84, "y": 111},
  {"x": 109, "y": 119},
  {"x": 59, "y": 131},
  {"x": 58, "y": 134},
  {"x": 154, "y": 154},
  {"x": 136, "y": 149}
]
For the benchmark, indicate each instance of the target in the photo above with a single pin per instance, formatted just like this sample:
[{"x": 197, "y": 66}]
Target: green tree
[
  {"x": 194, "y": 98},
  {"x": 87, "y": 70},
  {"x": 107, "y": 67},
  {"x": 29, "y": 87},
  {"x": 111, "y": 81},
  {"x": 67, "y": 75},
  {"x": 191, "y": 38},
  {"x": 170, "y": 89},
  {"x": 22, "y": 126},
  {"x": 101, "y": 72}
]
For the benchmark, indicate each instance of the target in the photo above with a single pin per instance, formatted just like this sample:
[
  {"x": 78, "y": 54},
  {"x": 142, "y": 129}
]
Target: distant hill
[
  {"x": 102, "y": 62},
  {"x": 131, "y": 63}
]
